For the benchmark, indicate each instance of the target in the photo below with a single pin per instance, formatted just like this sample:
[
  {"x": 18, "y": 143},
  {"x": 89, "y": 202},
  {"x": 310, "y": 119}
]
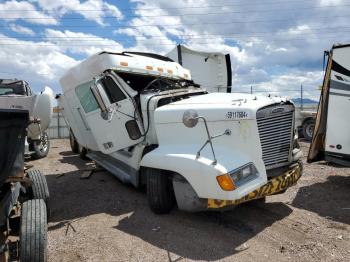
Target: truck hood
[{"x": 217, "y": 107}]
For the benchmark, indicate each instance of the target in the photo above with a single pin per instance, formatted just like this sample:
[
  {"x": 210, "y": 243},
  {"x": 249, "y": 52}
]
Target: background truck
[
  {"x": 331, "y": 138},
  {"x": 23, "y": 195},
  {"x": 305, "y": 122},
  {"x": 37, "y": 143},
  {"x": 141, "y": 117}
]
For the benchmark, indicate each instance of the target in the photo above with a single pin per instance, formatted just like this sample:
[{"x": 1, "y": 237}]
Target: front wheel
[
  {"x": 160, "y": 192},
  {"x": 41, "y": 147},
  {"x": 83, "y": 152},
  {"x": 33, "y": 231},
  {"x": 308, "y": 129},
  {"x": 73, "y": 143}
]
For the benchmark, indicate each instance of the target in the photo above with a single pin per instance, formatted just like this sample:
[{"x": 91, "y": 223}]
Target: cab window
[
  {"x": 112, "y": 90},
  {"x": 86, "y": 97}
]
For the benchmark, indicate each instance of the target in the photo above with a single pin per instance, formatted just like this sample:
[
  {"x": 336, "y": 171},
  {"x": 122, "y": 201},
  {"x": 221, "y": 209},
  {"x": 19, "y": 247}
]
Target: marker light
[
  {"x": 225, "y": 182},
  {"x": 149, "y": 67},
  {"x": 124, "y": 63}
]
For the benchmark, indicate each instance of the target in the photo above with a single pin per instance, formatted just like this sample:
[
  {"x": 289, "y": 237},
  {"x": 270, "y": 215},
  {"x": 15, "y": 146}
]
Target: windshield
[
  {"x": 141, "y": 83},
  {"x": 12, "y": 87}
]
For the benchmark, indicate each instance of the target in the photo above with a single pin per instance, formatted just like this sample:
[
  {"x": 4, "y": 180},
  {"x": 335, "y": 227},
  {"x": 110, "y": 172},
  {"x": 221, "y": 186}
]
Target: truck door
[{"x": 115, "y": 124}]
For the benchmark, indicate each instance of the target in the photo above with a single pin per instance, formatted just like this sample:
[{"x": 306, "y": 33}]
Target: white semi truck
[
  {"x": 141, "y": 117},
  {"x": 331, "y": 138}
]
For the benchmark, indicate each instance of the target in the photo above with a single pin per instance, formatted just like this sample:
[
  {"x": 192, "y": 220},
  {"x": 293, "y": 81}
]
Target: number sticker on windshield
[{"x": 237, "y": 115}]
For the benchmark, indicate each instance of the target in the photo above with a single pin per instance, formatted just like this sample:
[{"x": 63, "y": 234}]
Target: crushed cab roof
[{"x": 133, "y": 62}]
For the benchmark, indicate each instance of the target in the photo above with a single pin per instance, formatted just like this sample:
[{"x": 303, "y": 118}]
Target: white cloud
[
  {"x": 21, "y": 29},
  {"x": 81, "y": 43},
  {"x": 15, "y": 10},
  {"x": 330, "y": 2},
  {"x": 39, "y": 63},
  {"x": 273, "y": 48},
  {"x": 286, "y": 84},
  {"x": 94, "y": 10}
]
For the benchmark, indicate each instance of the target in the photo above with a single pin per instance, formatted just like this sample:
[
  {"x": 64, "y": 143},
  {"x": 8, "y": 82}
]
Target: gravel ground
[{"x": 101, "y": 219}]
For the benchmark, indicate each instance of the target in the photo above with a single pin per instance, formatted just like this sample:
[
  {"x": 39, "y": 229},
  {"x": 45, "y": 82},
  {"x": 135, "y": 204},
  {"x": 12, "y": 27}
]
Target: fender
[{"x": 200, "y": 173}]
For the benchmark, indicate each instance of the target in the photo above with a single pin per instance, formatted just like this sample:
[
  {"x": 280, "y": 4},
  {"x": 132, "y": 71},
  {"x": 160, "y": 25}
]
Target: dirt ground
[{"x": 101, "y": 219}]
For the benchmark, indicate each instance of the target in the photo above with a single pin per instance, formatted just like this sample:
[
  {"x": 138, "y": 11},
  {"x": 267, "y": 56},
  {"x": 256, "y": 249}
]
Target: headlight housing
[{"x": 244, "y": 174}]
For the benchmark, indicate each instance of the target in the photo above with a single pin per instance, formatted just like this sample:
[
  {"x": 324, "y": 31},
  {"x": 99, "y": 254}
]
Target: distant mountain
[{"x": 305, "y": 101}]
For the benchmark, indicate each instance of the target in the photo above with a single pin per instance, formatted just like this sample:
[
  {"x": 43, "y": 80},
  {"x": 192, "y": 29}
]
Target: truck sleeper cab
[{"x": 142, "y": 118}]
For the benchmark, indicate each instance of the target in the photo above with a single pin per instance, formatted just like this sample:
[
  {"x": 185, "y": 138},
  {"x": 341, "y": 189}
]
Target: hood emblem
[{"x": 277, "y": 110}]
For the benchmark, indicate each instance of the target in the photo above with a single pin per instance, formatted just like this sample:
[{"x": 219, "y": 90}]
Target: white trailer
[
  {"x": 331, "y": 139},
  {"x": 141, "y": 117}
]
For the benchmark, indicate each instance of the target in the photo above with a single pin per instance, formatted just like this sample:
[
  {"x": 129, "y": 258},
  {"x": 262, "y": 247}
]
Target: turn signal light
[{"x": 225, "y": 182}]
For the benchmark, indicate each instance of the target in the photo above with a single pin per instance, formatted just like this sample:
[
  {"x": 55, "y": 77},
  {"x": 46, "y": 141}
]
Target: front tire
[
  {"x": 308, "y": 128},
  {"x": 83, "y": 153},
  {"x": 41, "y": 147},
  {"x": 160, "y": 192},
  {"x": 73, "y": 143},
  {"x": 33, "y": 231}
]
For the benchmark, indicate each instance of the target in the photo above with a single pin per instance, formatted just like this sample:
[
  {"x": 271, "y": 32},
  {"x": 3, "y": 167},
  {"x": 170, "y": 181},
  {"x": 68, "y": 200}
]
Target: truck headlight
[{"x": 244, "y": 174}]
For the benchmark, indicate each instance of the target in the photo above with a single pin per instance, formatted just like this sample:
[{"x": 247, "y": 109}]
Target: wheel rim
[
  {"x": 43, "y": 146},
  {"x": 310, "y": 130}
]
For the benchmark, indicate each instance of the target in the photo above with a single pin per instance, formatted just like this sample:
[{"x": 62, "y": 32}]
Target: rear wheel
[
  {"x": 33, "y": 231},
  {"x": 308, "y": 129},
  {"x": 160, "y": 192},
  {"x": 73, "y": 143},
  {"x": 39, "y": 188},
  {"x": 41, "y": 147}
]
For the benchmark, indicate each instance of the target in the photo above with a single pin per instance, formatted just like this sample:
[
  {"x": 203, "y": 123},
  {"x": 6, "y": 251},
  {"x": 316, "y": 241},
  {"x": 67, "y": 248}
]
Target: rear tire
[
  {"x": 160, "y": 192},
  {"x": 308, "y": 128},
  {"x": 33, "y": 231},
  {"x": 41, "y": 147},
  {"x": 73, "y": 143},
  {"x": 83, "y": 152},
  {"x": 39, "y": 188}
]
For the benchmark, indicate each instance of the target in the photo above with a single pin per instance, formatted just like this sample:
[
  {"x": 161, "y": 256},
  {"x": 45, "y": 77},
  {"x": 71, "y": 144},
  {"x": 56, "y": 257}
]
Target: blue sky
[{"x": 275, "y": 45}]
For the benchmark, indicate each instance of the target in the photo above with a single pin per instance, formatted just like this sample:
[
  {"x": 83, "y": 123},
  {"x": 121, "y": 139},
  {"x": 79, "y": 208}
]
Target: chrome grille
[{"x": 275, "y": 125}]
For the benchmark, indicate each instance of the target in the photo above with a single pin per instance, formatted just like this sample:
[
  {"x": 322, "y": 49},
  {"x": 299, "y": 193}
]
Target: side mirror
[{"x": 190, "y": 118}]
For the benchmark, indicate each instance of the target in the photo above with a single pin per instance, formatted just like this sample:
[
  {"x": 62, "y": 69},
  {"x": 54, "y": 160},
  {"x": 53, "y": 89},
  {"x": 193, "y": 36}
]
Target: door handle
[{"x": 83, "y": 119}]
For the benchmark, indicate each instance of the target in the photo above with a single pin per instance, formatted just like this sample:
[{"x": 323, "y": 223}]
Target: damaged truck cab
[{"x": 141, "y": 117}]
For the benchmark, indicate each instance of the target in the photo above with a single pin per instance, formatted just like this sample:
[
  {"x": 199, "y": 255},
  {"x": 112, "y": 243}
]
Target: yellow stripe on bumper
[{"x": 273, "y": 186}]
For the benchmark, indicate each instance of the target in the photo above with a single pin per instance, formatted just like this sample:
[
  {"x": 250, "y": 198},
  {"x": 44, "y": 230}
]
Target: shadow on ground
[
  {"x": 329, "y": 199},
  {"x": 182, "y": 233}
]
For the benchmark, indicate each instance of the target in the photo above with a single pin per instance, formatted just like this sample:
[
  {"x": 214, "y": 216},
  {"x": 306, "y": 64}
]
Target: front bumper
[{"x": 273, "y": 186}]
